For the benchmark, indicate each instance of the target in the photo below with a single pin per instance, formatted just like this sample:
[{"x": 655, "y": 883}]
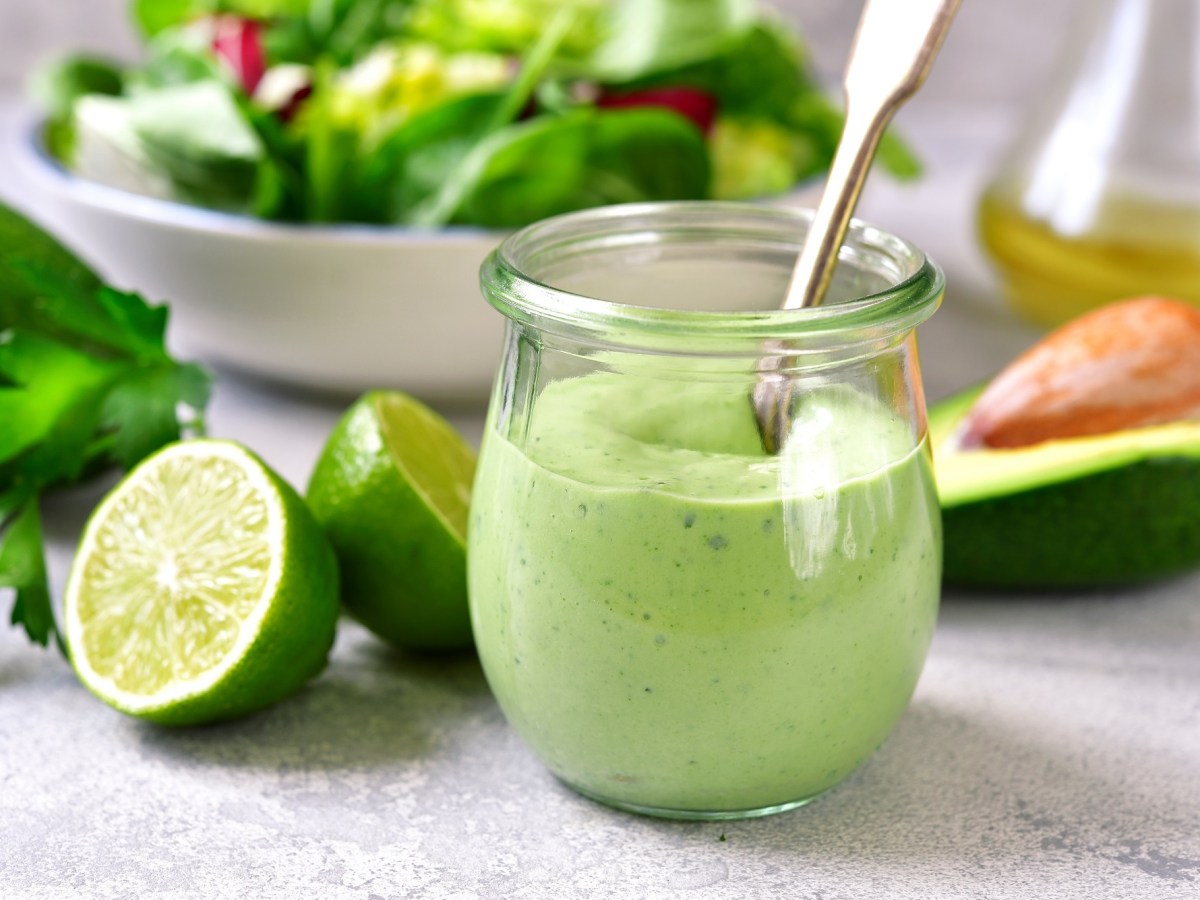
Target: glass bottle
[
  {"x": 676, "y": 622},
  {"x": 1099, "y": 198}
]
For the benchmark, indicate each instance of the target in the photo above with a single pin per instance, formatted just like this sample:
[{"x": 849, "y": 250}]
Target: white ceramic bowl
[{"x": 336, "y": 308}]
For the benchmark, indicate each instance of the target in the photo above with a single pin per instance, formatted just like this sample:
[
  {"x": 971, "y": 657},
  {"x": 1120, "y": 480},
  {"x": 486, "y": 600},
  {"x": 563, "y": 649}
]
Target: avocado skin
[{"x": 1121, "y": 526}]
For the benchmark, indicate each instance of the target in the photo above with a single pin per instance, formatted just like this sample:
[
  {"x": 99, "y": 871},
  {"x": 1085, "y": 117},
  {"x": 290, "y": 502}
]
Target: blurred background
[{"x": 994, "y": 66}]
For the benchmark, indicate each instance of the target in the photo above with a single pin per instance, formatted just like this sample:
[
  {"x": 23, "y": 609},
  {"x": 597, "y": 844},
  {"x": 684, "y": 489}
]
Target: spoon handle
[{"x": 893, "y": 51}]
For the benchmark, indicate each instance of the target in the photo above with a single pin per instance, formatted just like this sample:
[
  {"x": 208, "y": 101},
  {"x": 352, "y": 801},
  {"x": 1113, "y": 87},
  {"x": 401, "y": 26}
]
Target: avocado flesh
[{"x": 1110, "y": 509}]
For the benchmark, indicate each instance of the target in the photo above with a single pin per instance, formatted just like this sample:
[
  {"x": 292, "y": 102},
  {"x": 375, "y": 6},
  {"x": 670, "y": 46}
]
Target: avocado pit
[
  {"x": 1128, "y": 365},
  {"x": 1079, "y": 465}
]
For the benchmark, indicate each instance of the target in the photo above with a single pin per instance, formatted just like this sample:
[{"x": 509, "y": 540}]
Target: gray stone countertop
[{"x": 1052, "y": 749}]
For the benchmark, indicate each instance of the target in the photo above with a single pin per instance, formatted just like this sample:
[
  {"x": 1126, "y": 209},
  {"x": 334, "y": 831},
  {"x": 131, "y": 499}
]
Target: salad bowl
[
  {"x": 337, "y": 308},
  {"x": 438, "y": 125}
]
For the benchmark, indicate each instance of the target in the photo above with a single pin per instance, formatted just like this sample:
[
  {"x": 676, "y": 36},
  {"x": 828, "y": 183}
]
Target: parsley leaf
[
  {"x": 23, "y": 567},
  {"x": 141, "y": 411},
  {"x": 86, "y": 383},
  {"x": 50, "y": 387}
]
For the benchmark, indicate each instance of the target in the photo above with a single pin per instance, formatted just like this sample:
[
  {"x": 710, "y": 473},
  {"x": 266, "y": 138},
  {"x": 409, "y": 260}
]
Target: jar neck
[{"x": 704, "y": 279}]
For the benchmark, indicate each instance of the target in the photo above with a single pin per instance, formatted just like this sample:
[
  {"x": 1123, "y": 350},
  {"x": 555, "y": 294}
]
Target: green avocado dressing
[{"x": 675, "y": 621}]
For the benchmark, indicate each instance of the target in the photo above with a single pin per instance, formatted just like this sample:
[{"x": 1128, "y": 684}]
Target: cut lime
[
  {"x": 391, "y": 489},
  {"x": 202, "y": 589}
]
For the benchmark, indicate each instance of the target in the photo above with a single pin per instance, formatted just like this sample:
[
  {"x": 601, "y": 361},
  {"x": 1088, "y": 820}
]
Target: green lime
[
  {"x": 202, "y": 589},
  {"x": 391, "y": 489}
]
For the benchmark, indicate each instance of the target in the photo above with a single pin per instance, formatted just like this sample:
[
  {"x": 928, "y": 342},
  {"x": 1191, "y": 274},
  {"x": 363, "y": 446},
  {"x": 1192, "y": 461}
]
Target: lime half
[
  {"x": 202, "y": 589},
  {"x": 392, "y": 489}
]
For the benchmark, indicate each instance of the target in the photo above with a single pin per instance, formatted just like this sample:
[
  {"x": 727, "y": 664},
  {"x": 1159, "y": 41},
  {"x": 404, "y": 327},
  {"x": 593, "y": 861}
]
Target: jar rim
[{"x": 524, "y": 297}]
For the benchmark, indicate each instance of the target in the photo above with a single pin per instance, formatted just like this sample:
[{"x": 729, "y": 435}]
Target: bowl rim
[{"x": 33, "y": 156}]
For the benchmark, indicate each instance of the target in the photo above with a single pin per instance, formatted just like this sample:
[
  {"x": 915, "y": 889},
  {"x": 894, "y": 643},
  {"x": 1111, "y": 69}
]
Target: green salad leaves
[
  {"x": 86, "y": 384},
  {"x": 435, "y": 112}
]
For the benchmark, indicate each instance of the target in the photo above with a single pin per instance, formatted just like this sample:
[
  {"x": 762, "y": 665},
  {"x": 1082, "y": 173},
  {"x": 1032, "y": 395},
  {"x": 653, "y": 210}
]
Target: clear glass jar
[
  {"x": 676, "y": 622},
  {"x": 1099, "y": 197}
]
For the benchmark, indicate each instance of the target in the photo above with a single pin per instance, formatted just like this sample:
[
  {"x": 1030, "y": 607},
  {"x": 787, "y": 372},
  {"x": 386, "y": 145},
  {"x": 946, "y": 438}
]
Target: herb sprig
[{"x": 86, "y": 384}]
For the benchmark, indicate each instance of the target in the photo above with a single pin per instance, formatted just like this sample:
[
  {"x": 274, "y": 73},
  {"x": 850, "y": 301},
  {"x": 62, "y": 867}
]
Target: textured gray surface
[{"x": 1052, "y": 750}]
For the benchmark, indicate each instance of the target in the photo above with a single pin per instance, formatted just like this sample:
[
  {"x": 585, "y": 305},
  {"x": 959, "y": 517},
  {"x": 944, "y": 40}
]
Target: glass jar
[
  {"x": 676, "y": 622},
  {"x": 1099, "y": 198}
]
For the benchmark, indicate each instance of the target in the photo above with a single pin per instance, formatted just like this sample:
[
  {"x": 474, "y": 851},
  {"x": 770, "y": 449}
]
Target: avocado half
[{"x": 1110, "y": 509}]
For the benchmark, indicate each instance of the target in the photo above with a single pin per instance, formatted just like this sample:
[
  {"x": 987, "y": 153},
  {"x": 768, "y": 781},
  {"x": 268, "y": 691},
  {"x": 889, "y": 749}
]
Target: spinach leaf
[
  {"x": 56, "y": 87},
  {"x": 418, "y": 160},
  {"x": 647, "y": 36},
  {"x": 584, "y": 159},
  {"x": 454, "y": 149},
  {"x": 337, "y": 30},
  {"x": 178, "y": 129},
  {"x": 347, "y": 29},
  {"x": 279, "y": 190},
  {"x": 197, "y": 136},
  {"x": 175, "y": 57},
  {"x": 780, "y": 128},
  {"x": 331, "y": 152},
  {"x": 762, "y": 75}
]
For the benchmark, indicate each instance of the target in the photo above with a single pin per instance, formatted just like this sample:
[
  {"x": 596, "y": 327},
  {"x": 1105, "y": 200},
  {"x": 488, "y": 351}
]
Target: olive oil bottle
[
  {"x": 1099, "y": 198},
  {"x": 1134, "y": 246}
]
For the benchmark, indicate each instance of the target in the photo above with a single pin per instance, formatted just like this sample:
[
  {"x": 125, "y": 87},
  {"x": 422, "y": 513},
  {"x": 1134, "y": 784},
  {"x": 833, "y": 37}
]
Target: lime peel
[{"x": 392, "y": 490}]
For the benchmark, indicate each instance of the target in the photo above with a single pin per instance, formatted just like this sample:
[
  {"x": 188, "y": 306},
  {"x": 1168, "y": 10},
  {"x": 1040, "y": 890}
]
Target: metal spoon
[{"x": 893, "y": 51}]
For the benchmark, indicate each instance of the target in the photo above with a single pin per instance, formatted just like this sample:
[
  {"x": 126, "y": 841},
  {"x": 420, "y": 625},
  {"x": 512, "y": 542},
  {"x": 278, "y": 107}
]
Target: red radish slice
[
  {"x": 238, "y": 43},
  {"x": 691, "y": 103}
]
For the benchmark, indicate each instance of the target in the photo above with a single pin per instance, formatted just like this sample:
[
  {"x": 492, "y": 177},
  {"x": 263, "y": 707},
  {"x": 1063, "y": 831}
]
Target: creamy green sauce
[{"x": 672, "y": 619}]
